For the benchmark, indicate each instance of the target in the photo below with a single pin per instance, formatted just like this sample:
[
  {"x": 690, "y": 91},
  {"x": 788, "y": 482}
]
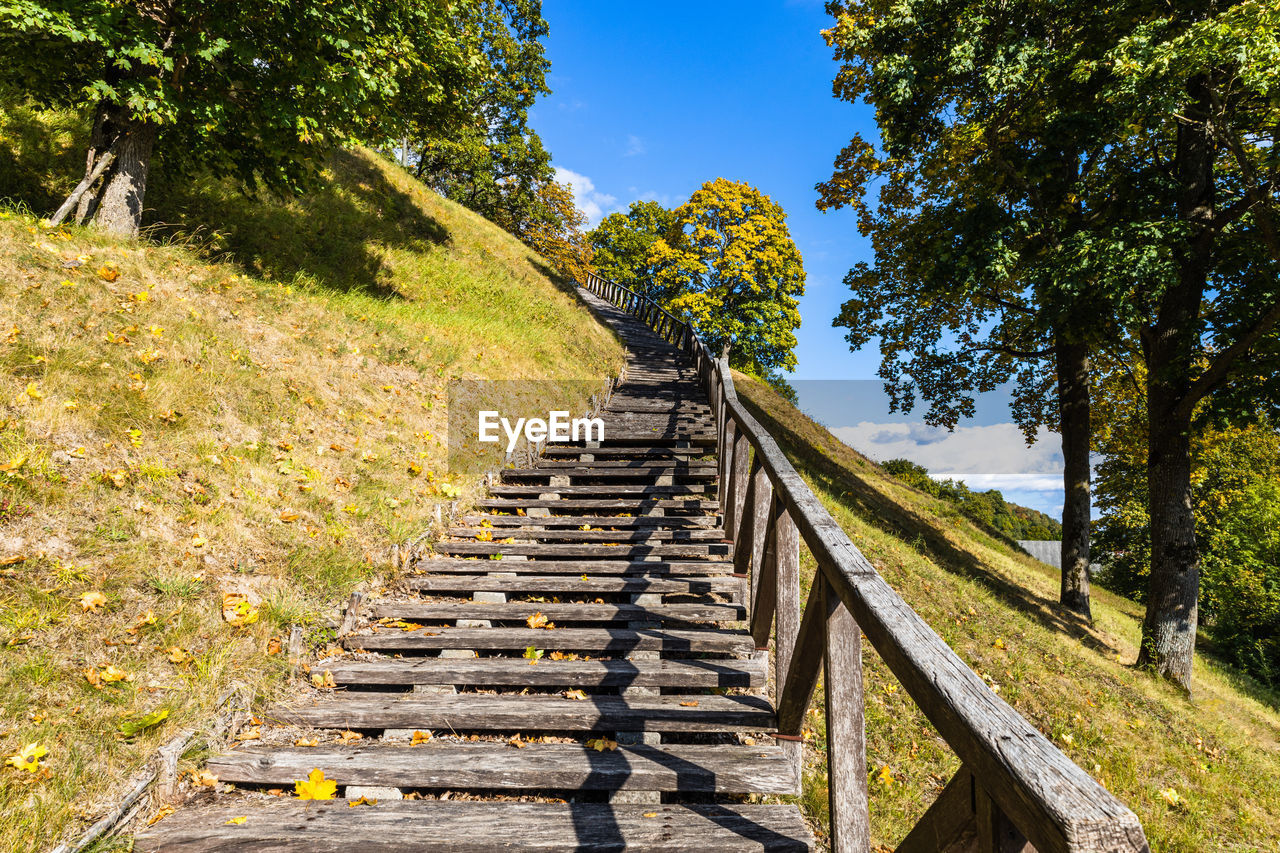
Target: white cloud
[
  {"x": 985, "y": 457},
  {"x": 635, "y": 146},
  {"x": 594, "y": 205}
]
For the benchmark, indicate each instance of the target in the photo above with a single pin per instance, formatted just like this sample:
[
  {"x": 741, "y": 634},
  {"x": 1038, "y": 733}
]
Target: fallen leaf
[
  {"x": 362, "y": 801},
  {"x": 135, "y": 727},
  {"x": 111, "y": 674},
  {"x": 91, "y": 601},
  {"x": 602, "y": 744},
  {"x": 237, "y": 611},
  {"x": 537, "y": 620},
  {"x": 110, "y": 273},
  {"x": 273, "y": 646},
  {"x": 532, "y": 655},
  {"x": 315, "y": 787},
  {"x": 575, "y": 694},
  {"x": 885, "y": 776},
  {"x": 315, "y": 741},
  {"x": 349, "y": 736},
  {"x": 691, "y": 704},
  {"x": 322, "y": 681},
  {"x": 650, "y": 814},
  {"x": 164, "y": 811},
  {"x": 237, "y": 821},
  {"x": 420, "y": 737},
  {"x": 288, "y": 517},
  {"x": 203, "y": 779},
  {"x": 177, "y": 655},
  {"x": 28, "y": 758}
]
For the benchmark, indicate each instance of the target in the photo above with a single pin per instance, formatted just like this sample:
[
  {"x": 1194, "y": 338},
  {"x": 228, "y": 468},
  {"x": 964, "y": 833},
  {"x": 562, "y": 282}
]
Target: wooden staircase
[{"x": 638, "y": 722}]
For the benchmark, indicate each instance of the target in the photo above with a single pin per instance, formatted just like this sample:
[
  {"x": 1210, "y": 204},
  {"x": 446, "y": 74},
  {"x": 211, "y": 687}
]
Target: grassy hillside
[
  {"x": 1219, "y": 753},
  {"x": 253, "y": 409}
]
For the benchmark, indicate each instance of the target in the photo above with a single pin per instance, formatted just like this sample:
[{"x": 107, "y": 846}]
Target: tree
[
  {"x": 559, "y": 237},
  {"x": 256, "y": 88},
  {"x": 1235, "y": 475},
  {"x": 495, "y": 164},
  {"x": 1140, "y": 144},
  {"x": 736, "y": 272},
  {"x": 624, "y": 246}
]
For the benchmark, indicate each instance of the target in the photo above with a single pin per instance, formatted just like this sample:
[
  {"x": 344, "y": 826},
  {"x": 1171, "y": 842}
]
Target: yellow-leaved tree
[{"x": 736, "y": 273}]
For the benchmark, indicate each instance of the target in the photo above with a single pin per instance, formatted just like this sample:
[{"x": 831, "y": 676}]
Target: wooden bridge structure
[{"x": 664, "y": 709}]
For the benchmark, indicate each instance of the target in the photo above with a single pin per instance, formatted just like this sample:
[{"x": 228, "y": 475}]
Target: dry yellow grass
[
  {"x": 173, "y": 430},
  {"x": 1220, "y": 752}
]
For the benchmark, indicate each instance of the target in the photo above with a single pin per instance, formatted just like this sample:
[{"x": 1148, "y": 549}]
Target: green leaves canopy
[
  {"x": 624, "y": 246},
  {"x": 258, "y": 88}
]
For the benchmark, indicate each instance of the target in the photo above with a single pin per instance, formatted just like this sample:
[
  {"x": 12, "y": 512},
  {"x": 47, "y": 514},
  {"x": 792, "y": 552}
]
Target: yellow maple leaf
[
  {"x": 537, "y": 620},
  {"x": 1172, "y": 797},
  {"x": 177, "y": 655},
  {"x": 885, "y": 776},
  {"x": 112, "y": 673},
  {"x": 28, "y": 758},
  {"x": 575, "y": 694},
  {"x": 34, "y": 392},
  {"x": 999, "y": 643},
  {"x": 420, "y": 737},
  {"x": 107, "y": 272},
  {"x": 322, "y": 681},
  {"x": 315, "y": 787},
  {"x": 237, "y": 821},
  {"x": 362, "y": 801},
  {"x": 288, "y": 517},
  {"x": 204, "y": 779},
  {"x": 602, "y": 744},
  {"x": 349, "y": 736},
  {"x": 91, "y": 601}
]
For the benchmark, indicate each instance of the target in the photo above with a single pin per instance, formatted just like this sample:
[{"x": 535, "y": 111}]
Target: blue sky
[{"x": 650, "y": 100}]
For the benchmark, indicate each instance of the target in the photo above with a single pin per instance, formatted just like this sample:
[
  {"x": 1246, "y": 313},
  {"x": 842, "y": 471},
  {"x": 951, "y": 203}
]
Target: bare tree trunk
[
  {"x": 120, "y": 207},
  {"x": 1073, "y": 416},
  {"x": 1169, "y": 348}
]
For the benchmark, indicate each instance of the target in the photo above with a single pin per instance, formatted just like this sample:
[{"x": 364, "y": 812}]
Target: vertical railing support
[
  {"x": 736, "y": 494},
  {"x": 846, "y": 726},
  {"x": 786, "y": 541}
]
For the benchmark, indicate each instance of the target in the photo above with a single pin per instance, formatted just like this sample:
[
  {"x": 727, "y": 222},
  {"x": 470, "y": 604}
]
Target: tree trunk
[
  {"x": 120, "y": 205},
  {"x": 1170, "y": 348},
  {"x": 1073, "y": 420}
]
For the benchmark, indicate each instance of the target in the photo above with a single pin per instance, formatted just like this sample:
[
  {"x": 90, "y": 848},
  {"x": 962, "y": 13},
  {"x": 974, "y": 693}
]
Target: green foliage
[
  {"x": 559, "y": 237},
  {"x": 259, "y": 89},
  {"x": 1236, "y": 478},
  {"x": 494, "y": 163},
  {"x": 736, "y": 273},
  {"x": 624, "y": 246},
  {"x": 988, "y": 508}
]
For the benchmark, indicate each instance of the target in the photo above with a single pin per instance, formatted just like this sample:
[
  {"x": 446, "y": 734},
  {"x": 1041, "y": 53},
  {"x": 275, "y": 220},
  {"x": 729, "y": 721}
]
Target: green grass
[
  {"x": 997, "y": 608},
  {"x": 250, "y": 400}
]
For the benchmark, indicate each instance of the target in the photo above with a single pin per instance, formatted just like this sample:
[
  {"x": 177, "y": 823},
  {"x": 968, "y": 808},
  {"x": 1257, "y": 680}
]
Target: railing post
[
  {"x": 786, "y": 542},
  {"x": 846, "y": 726},
  {"x": 736, "y": 494}
]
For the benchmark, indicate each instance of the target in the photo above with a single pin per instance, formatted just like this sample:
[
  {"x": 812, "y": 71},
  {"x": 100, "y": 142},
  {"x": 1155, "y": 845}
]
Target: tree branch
[
  {"x": 1221, "y": 366},
  {"x": 67, "y": 206}
]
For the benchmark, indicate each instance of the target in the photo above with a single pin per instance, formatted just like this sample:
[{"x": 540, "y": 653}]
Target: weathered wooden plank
[
  {"x": 434, "y": 826},
  {"x": 569, "y": 583},
  {"x": 590, "y": 473},
  {"x": 668, "y": 465},
  {"x": 678, "y": 522},
  {"x": 720, "y": 768},
  {"x": 949, "y": 824},
  {"x": 516, "y": 672},
  {"x": 571, "y": 549},
  {"x": 465, "y": 565},
  {"x": 568, "y": 534},
  {"x": 517, "y": 713},
  {"x": 615, "y": 641},
  {"x": 559, "y": 613},
  {"x": 622, "y": 490},
  {"x": 848, "y": 800},
  {"x": 567, "y": 505},
  {"x": 764, "y": 604}
]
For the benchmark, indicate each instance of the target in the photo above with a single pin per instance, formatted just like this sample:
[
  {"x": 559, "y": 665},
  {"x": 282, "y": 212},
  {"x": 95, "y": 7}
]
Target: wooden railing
[{"x": 1015, "y": 790}]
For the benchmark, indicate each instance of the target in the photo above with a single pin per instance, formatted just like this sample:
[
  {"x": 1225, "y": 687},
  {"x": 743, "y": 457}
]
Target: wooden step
[
  {"x": 594, "y": 641},
  {"x": 570, "y": 534},
  {"x": 719, "y": 768},
  {"x": 518, "y": 713},
  {"x": 627, "y": 551},
  {"x": 535, "y": 489},
  {"x": 656, "y": 454},
  {"x": 727, "y": 584},
  {"x": 516, "y": 672},
  {"x": 647, "y": 568},
  {"x": 567, "y": 505},
  {"x": 623, "y": 464},
  {"x": 420, "y": 611},
  {"x": 397, "y": 826},
  {"x": 679, "y": 522},
  {"x": 586, "y": 471}
]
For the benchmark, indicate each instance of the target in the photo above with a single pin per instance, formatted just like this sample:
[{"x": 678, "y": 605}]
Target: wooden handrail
[{"x": 1015, "y": 787}]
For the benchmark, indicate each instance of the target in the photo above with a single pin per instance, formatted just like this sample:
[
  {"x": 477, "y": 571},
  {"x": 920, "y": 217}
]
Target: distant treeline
[{"x": 988, "y": 508}]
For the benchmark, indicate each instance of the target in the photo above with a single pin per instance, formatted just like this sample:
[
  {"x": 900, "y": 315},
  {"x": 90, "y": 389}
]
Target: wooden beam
[
  {"x": 846, "y": 727},
  {"x": 950, "y": 823}
]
